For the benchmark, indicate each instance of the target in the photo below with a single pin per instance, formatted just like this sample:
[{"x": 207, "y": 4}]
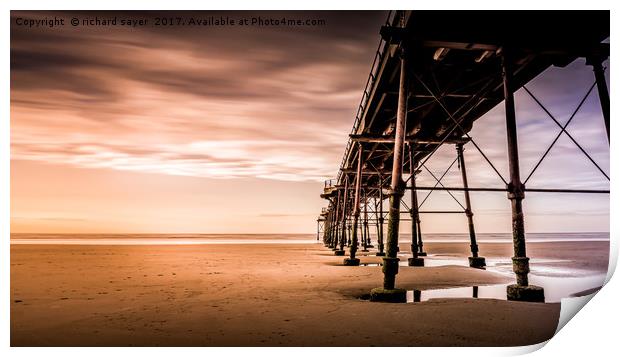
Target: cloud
[
  {"x": 252, "y": 102},
  {"x": 208, "y": 102}
]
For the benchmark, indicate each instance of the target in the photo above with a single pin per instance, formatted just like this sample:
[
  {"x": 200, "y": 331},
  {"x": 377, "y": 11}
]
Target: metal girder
[{"x": 367, "y": 138}]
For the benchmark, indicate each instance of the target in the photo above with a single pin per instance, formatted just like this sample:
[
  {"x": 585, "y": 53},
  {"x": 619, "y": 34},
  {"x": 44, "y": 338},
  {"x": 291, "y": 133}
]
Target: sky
[{"x": 233, "y": 130}]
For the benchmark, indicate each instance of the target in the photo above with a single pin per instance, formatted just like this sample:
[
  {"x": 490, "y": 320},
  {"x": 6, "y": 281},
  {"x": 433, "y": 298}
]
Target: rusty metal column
[
  {"x": 474, "y": 261},
  {"x": 328, "y": 226},
  {"x": 603, "y": 94},
  {"x": 516, "y": 192},
  {"x": 380, "y": 253},
  {"x": 377, "y": 222},
  {"x": 343, "y": 228},
  {"x": 352, "y": 260},
  {"x": 365, "y": 224},
  {"x": 414, "y": 261},
  {"x": 388, "y": 292},
  {"x": 421, "y": 251},
  {"x": 318, "y": 229},
  {"x": 337, "y": 220},
  {"x": 331, "y": 228},
  {"x": 349, "y": 231}
]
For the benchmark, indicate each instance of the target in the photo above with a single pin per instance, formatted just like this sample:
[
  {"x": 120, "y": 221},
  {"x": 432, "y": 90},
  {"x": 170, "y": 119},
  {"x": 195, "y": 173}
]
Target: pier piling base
[
  {"x": 477, "y": 262},
  {"x": 422, "y": 254},
  {"x": 381, "y": 254},
  {"x": 388, "y": 295},
  {"x": 352, "y": 262},
  {"x": 416, "y": 262},
  {"x": 529, "y": 293},
  {"x": 339, "y": 252}
]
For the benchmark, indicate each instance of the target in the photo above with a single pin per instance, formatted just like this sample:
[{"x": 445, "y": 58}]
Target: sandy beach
[{"x": 256, "y": 295}]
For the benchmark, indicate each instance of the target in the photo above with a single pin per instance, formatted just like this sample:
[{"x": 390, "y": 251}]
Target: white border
[{"x": 592, "y": 330}]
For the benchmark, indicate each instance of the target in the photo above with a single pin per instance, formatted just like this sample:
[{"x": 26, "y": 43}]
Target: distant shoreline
[{"x": 146, "y": 241}]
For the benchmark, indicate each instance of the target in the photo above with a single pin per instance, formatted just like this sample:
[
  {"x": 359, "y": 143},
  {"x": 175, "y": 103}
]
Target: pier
[{"x": 434, "y": 74}]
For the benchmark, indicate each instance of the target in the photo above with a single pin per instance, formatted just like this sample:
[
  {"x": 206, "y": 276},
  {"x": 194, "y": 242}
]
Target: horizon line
[{"x": 314, "y": 233}]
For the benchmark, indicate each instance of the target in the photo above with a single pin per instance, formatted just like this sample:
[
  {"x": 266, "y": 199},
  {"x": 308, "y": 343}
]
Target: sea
[{"x": 199, "y": 238}]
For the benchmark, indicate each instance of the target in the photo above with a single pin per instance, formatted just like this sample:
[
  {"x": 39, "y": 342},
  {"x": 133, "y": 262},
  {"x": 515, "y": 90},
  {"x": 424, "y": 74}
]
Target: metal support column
[
  {"x": 352, "y": 260},
  {"x": 349, "y": 232},
  {"x": 365, "y": 224},
  {"x": 603, "y": 94},
  {"x": 381, "y": 252},
  {"x": 516, "y": 192},
  {"x": 415, "y": 260},
  {"x": 337, "y": 220},
  {"x": 318, "y": 229},
  {"x": 328, "y": 226},
  {"x": 343, "y": 220},
  {"x": 390, "y": 262},
  {"x": 332, "y": 229},
  {"x": 421, "y": 251},
  {"x": 474, "y": 261}
]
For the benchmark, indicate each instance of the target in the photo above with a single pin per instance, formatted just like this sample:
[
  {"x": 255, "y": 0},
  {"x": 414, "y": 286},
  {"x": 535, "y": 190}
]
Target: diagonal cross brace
[
  {"x": 458, "y": 124},
  {"x": 563, "y": 130},
  {"x": 439, "y": 182}
]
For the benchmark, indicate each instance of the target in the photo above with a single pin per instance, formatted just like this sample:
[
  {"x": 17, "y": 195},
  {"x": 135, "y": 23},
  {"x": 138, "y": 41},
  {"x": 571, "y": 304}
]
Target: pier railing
[{"x": 370, "y": 82}]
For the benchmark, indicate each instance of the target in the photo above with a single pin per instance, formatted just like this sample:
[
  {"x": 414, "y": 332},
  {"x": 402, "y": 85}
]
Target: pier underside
[{"x": 435, "y": 73}]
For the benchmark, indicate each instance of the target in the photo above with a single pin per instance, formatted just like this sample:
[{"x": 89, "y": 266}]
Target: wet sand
[{"x": 252, "y": 295}]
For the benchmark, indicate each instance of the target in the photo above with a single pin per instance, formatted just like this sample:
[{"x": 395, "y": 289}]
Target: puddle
[
  {"x": 556, "y": 276},
  {"x": 556, "y": 288},
  {"x": 543, "y": 267},
  {"x": 487, "y": 292}
]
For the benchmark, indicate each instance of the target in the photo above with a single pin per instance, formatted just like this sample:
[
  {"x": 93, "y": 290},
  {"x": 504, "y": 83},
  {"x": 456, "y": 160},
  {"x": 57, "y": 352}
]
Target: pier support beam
[
  {"x": 352, "y": 260},
  {"x": 603, "y": 94},
  {"x": 516, "y": 193},
  {"x": 475, "y": 261},
  {"x": 367, "y": 223},
  {"x": 328, "y": 227},
  {"x": 365, "y": 231},
  {"x": 415, "y": 260},
  {"x": 379, "y": 215},
  {"x": 343, "y": 220},
  {"x": 333, "y": 230},
  {"x": 389, "y": 293},
  {"x": 421, "y": 251},
  {"x": 337, "y": 221},
  {"x": 349, "y": 232}
]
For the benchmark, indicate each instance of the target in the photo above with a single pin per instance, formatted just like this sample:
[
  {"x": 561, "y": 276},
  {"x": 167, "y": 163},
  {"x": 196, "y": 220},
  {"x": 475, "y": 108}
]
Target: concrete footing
[
  {"x": 416, "y": 262},
  {"x": 351, "y": 262},
  {"x": 381, "y": 254},
  {"x": 422, "y": 254},
  {"x": 365, "y": 250},
  {"x": 477, "y": 262},
  {"x": 339, "y": 252},
  {"x": 529, "y": 293},
  {"x": 388, "y": 295}
]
